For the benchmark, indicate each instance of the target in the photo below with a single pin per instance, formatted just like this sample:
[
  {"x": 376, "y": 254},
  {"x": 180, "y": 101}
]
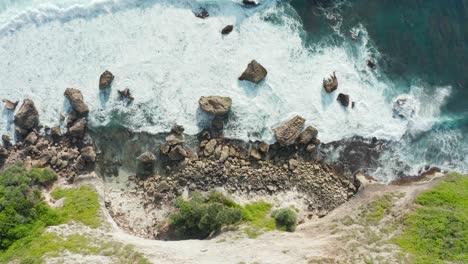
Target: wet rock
[
  {"x": 78, "y": 129},
  {"x": 405, "y": 106},
  {"x": 287, "y": 133},
  {"x": 125, "y": 95},
  {"x": 330, "y": 84},
  {"x": 307, "y": 135},
  {"x": 6, "y": 141},
  {"x": 210, "y": 148},
  {"x": 105, "y": 80},
  {"x": 3, "y": 153},
  {"x": 249, "y": 3},
  {"x": 263, "y": 147},
  {"x": 217, "y": 123},
  {"x": 216, "y": 105},
  {"x": 164, "y": 148},
  {"x": 343, "y": 99},
  {"x": 174, "y": 139},
  {"x": 177, "y": 129},
  {"x": 227, "y": 29},
  {"x": 311, "y": 148},
  {"x": 254, "y": 153},
  {"x": 201, "y": 13},
  {"x": 77, "y": 101},
  {"x": 145, "y": 165},
  {"x": 56, "y": 132},
  {"x": 177, "y": 153},
  {"x": 371, "y": 64},
  {"x": 88, "y": 154},
  {"x": 31, "y": 138},
  {"x": 10, "y": 105},
  {"x": 255, "y": 72},
  {"x": 27, "y": 116}
]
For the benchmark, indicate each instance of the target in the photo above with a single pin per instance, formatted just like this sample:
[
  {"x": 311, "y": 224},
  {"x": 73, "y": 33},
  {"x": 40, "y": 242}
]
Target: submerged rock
[
  {"x": 255, "y": 72},
  {"x": 105, "y": 80},
  {"x": 250, "y": 3},
  {"x": 77, "y": 101},
  {"x": 227, "y": 29},
  {"x": 201, "y": 13},
  {"x": 27, "y": 116},
  {"x": 371, "y": 64},
  {"x": 216, "y": 105},
  {"x": 217, "y": 123},
  {"x": 9, "y": 104},
  {"x": 6, "y": 141},
  {"x": 343, "y": 99},
  {"x": 330, "y": 84},
  {"x": 287, "y": 133}
]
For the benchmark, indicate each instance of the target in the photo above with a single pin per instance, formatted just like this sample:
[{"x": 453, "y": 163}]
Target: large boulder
[
  {"x": 27, "y": 116},
  {"x": 343, "y": 99},
  {"x": 105, "y": 80},
  {"x": 177, "y": 153},
  {"x": 217, "y": 105},
  {"x": 145, "y": 164},
  {"x": 77, "y": 102},
  {"x": 288, "y": 132},
  {"x": 88, "y": 154},
  {"x": 255, "y": 72},
  {"x": 307, "y": 135},
  {"x": 330, "y": 84},
  {"x": 78, "y": 129},
  {"x": 174, "y": 139}
]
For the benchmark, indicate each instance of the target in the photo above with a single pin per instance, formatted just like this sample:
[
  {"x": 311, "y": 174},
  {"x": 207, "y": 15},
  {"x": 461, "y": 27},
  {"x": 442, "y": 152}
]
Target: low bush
[{"x": 286, "y": 219}]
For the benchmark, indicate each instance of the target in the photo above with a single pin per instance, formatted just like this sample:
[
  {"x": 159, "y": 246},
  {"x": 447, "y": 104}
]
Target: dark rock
[
  {"x": 216, "y": 105},
  {"x": 9, "y": 104},
  {"x": 287, "y": 133},
  {"x": 307, "y": 135},
  {"x": 3, "y": 153},
  {"x": 201, "y": 13},
  {"x": 371, "y": 64},
  {"x": 78, "y": 129},
  {"x": 77, "y": 101},
  {"x": 6, "y": 141},
  {"x": 174, "y": 139},
  {"x": 249, "y": 3},
  {"x": 125, "y": 95},
  {"x": 177, "y": 129},
  {"x": 105, "y": 80},
  {"x": 217, "y": 123},
  {"x": 88, "y": 154},
  {"x": 56, "y": 132},
  {"x": 255, "y": 72},
  {"x": 330, "y": 84},
  {"x": 353, "y": 104},
  {"x": 343, "y": 99},
  {"x": 27, "y": 116},
  {"x": 177, "y": 153},
  {"x": 227, "y": 29},
  {"x": 31, "y": 138},
  {"x": 145, "y": 165}
]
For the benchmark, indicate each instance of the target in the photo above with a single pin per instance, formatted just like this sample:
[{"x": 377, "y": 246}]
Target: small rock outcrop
[
  {"x": 249, "y": 3},
  {"x": 78, "y": 128},
  {"x": 307, "y": 135},
  {"x": 10, "y": 105},
  {"x": 201, "y": 13},
  {"x": 216, "y": 105},
  {"x": 227, "y": 29},
  {"x": 288, "y": 132},
  {"x": 77, "y": 101},
  {"x": 255, "y": 72},
  {"x": 145, "y": 164},
  {"x": 330, "y": 84},
  {"x": 105, "y": 80},
  {"x": 177, "y": 129},
  {"x": 27, "y": 116},
  {"x": 177, "y": 153},
  {"x": 343, "y": 99},
  {"x": 125, "y": 95}
]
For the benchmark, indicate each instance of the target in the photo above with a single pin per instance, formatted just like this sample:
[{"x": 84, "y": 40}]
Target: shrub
[
  {"x": 200, "y": 216},
  {"x": 286, "y": 219}
]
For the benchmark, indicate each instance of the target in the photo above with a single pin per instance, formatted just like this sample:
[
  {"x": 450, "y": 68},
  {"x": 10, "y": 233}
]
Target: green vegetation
[
  {"x": 81, "y": 205},
  {"x": 375, "y": 211},
  {"x": 438, "y": 230},
  {"x": 257, "y": 215},
  {"x": 286, "y": 219},
  {"x": 22, "y": 211}
]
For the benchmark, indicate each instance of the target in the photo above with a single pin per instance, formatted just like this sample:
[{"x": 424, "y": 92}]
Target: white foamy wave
[{"x": 169, "y": 58}]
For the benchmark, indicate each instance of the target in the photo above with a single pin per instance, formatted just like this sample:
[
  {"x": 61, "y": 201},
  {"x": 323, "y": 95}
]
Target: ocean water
[{"x": 169, "y": 58}]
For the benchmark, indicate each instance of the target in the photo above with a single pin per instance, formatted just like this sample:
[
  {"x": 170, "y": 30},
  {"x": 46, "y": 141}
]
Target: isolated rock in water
[
  {"x": 177, "y": 129},
  {"x": 145, "y": 164},
  {"x": 405, "y": 106},
  {"x": 9, "y": 104},
  {"x": 78, "y": 128},
  {"x": 105, "y": 80},
  {"x": 77, "y": 101},
  {"x": 289, "y": 131},
  {"x": 227, "y": 29},
  {"x": 343, "y": 99},
  {"x": 201, "y": 13},
  {"x": 217, "y": 105},
  {"x": 174, "y": 139},
  {"x": 255, "y": 72},
  {"x": 250, "y": 3},
  {"x": 27, "y": 116},
  {"x": 307, "y": 135},
  {"x": 371, "y": 64},
  {"x": 177, "y": 153},
  {"x": 330, "y": 84},
  {"x": 125, "y": 94},
  {"x": 88, "y": 154}
]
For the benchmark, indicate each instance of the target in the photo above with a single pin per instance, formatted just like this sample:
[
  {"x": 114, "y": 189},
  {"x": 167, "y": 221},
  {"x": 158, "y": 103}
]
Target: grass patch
[
  {"x": 80, "y": 204},
  {"x": 438, "y": 230},
  {"x": 375, "y": 211}
]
